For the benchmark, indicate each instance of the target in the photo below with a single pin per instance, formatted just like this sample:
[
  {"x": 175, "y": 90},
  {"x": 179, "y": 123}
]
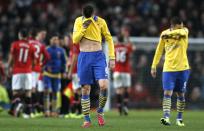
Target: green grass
[{"x": 138, "y": 120}]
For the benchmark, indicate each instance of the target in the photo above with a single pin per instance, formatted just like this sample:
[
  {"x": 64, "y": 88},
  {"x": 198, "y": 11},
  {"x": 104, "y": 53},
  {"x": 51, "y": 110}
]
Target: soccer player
[
  {"x": 53, "y": 70},
  {"x": 122, "y": 73},
  {"x": 41, "y": 57},
  {"x": 176, "y": 68},
  {"x": 92, "y": 67},
  {"x": 20, "y": 63}
]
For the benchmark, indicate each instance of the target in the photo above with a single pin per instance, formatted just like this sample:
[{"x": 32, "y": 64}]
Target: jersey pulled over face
[
  {"x": 175, "y": 44},
  {"x": 122, "y": 53},
  {"x": 23, "y": 56}
]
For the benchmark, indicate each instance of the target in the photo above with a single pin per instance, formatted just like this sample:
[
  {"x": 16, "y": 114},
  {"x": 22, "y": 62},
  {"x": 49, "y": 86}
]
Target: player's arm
[
  {"x": 46, "y": 55},
  {"x": 80, "y": 29},
  {"x": 11, "y": 59},
  {"x": 73, "y": 61},
  {"x": 157, "y": 56},
  {"x": 109, "y": 39}
]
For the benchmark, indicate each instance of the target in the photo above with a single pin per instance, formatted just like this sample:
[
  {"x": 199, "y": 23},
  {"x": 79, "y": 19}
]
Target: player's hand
[
  {"x": 87, "y": 23},
  {"x": 111, "y": 63},
  {"x": 153, "y": 72}
]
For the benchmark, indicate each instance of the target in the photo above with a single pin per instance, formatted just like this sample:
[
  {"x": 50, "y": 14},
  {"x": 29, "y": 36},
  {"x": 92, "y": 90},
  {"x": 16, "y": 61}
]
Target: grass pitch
[{"x": 138, "y": 120}]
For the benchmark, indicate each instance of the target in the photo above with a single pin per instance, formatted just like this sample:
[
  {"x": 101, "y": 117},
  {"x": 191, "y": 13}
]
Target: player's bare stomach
[{"x": 87, "y": 45}]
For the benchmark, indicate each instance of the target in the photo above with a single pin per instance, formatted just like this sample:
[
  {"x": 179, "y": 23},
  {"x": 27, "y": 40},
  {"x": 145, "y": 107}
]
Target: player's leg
[
  {"x": 180, "y": 91},
  {"x": 76, "y": 106},
  {"x": 86, "y": 78},
  {"x": 28, "y": 95},
  {"x": 55, "y": 88},
  {"x": 168, "y": 80},
  {"x": 46, "y": 95},
  {"x": 40, "y": 89},
  {"x": 180, "y": 108},
  {"x": 85, "y": 103},
  {"x": 16, "y": 99},
  {"x": 117, "y": 83},
  {"x": 34, "y": 97},
  {"x": 126, "y": 83},
  {"x": 101, "y": 74}
]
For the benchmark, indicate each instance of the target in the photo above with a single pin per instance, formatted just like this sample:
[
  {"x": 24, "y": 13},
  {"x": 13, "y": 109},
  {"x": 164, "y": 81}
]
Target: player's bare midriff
[{"x": 87, "y": 45}]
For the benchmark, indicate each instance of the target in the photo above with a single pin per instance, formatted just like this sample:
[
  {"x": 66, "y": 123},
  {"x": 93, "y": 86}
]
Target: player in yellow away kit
[
  {"x": 91, "y": 66},
  {"x": 176, "y": 68}
]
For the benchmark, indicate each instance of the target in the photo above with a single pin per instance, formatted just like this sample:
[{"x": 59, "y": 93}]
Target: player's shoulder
[
  {"x": 165, "y": 31},
  {"x": 100, "y": 19},
  {"x": 79, "y": 18}
]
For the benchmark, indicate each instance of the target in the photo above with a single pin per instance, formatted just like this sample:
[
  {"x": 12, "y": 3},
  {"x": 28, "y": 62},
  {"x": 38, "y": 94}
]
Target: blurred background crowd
[{"x": 141, "y": 17}]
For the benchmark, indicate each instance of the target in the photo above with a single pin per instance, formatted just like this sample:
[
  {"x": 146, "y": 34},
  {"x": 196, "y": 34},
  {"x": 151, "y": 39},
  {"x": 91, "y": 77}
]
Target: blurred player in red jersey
[
  {"x": 122, "y": 71},
  {"x": 76, "y": 106},
  {"x": 21, "y": 59},
  {"x": 41, "y": 57}
]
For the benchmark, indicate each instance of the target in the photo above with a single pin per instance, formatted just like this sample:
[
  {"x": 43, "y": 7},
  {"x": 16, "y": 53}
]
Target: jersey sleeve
[
  {"x": 109, "y": 39},
  {"x": 78, "y": 31},
  {"x": 158, "y": 53}
]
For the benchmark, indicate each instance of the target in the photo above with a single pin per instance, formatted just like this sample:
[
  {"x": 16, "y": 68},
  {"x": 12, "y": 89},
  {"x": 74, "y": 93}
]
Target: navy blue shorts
[
  {"x": 91, "y": 67},
  {"x": 52, "y": 84},
  {"x": 175, "y": 81}
]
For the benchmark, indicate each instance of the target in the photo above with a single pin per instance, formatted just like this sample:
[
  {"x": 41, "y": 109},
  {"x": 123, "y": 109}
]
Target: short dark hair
[
  {"x": 176, "y": 20},
  {"x": 88, "y": 10},
  {"x": 33, "y": 32},
  {"x": 23, "y": 32}
]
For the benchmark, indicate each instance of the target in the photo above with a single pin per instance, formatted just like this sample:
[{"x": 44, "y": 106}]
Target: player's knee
[
  {"x": 168, "y": 93},
  {"x": 103, "y": 84},
  {"x": 86, "y": 90}
]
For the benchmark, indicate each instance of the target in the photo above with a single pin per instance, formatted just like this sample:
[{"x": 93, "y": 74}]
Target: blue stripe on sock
[
  {"x": 100, "y": 110},
  {"x": 85, "y": 97},
  {"x": 167, "y": 96},
  {"x": 181, "y": 98},
  {"x": 87, "y": 118},
  {"x": 180, "y": 115}
]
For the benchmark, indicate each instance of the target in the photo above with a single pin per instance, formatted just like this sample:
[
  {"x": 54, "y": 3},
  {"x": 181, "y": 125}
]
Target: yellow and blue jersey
[
  {"x": 57, "y": 63},
  {"x": 175, "y": 44},
  {"x": 94, "y": 32}
]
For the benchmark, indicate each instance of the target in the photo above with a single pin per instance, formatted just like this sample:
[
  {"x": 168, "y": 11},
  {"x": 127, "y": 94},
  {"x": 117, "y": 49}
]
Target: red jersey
[
  {"x": 74, "y": 51},
  {"x": 122, "y": 53},
  {"x": 40, "y": 53},
  {"x": 23, "y": 56}
]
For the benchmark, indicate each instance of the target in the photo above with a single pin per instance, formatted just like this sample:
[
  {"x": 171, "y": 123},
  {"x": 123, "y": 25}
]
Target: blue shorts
[
  {"x": 175, "y": 81},
  {"x": 91, "y": 67},
  {"x": 52, "y": 84}
]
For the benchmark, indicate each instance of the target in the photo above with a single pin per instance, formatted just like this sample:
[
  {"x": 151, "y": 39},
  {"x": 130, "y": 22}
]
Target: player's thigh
[
  {"x": 47, "y": 82},
  {"x": 28, "y": 81},
  {"x": 169, "y": 80},
  {"x": 17, "y": 81},
  {"x": 117, "y": 80},
  {"x": 181, "y": 82},
  {"x": 35, "y": 77},
  {"x": 40, "y": 87},
  {"x": 126, "y": 79},
  {"x": 56, "y": 84},
  {"x": 84, "y": 68},
  {"x": 100, "y": 66}
]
